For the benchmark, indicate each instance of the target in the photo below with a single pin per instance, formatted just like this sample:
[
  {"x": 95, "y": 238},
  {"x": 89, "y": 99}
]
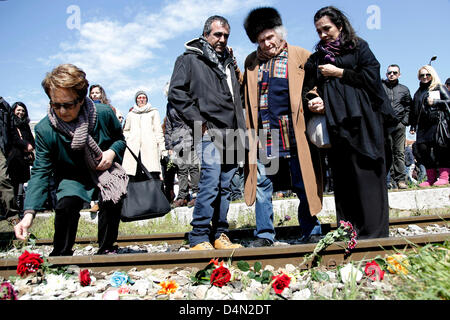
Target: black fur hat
[{"x": 259, "y": 20}]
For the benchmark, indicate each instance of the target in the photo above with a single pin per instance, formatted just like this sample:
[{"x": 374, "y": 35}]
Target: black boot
[{"x": 67, "y": 215}]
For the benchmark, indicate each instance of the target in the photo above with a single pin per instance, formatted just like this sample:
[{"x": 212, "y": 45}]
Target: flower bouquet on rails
[{"x": 345, "y": 232}]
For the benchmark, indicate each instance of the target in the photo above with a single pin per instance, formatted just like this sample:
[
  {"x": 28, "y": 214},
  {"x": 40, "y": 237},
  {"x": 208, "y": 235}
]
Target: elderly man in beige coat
[
  {"x": 144, "y": 136},
  {"x": 273, "y": 81}
]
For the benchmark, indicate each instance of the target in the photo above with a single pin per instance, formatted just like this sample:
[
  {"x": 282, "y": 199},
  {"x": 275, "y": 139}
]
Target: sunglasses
[
  {"x": 67, "y": 105},
  {"x": 423, "y": 75},
  {"x": 394, "y": 72}
]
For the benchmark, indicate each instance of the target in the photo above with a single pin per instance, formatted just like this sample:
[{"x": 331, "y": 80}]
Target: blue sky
[{"x": 129, "y": 45}]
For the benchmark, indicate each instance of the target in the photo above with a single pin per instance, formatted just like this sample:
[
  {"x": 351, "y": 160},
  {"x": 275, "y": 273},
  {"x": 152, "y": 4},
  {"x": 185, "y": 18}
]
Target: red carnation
[
  {"x": 281, "y": 282},
  {"x": 85, "y": 278},
  {"x": 373, "y": 271},
  {"x": 28, "y": 263},
  {"x": 220, "y": 276}
]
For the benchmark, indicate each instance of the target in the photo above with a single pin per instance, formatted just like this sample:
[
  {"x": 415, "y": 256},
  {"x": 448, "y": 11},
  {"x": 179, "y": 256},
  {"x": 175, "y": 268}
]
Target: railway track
[
  {"x": 276, "y": 256},
  {"x": 282, "y": 232}
]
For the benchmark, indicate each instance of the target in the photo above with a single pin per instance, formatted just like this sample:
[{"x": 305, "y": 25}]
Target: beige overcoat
[
  {"x": 143, "y": 134},
  {"x": 309, "y": 159}
]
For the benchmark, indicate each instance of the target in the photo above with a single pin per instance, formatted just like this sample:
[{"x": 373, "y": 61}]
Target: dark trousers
[
  {"x": 169, "y": 179},
  {"x": 360, "y": 192},
  {"x": 184, "y": 183},
  {"x": 6, "y": 188},
  {"x": 396, "y": 141},
  {"x": 237, "y": 184},
  {"x": 188, "y": 165},
  {"x": 67, "y": 215}
]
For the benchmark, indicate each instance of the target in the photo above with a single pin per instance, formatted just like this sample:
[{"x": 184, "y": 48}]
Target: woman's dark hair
[
  {"x": 104, "y": 99},
  {"x": 21, "y": 104},
  {"x": 348, "y": 36}
]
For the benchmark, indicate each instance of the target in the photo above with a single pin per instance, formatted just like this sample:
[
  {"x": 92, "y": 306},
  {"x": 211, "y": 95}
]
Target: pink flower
[
  {"x": 352, "y": 233},
  {"x": 7, "y": 291},
  {"x": 124, "y": 289}
]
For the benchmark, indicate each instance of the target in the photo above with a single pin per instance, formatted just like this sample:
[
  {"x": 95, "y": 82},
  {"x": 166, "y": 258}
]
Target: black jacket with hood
[{"x": 200, "y": 91}]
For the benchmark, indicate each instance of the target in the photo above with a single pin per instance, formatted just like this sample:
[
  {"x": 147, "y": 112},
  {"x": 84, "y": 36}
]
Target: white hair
[{"x": 281, "y": 31}]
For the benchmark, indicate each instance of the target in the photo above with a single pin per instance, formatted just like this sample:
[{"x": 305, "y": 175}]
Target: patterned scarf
[
  {"x": 262, "y": 56},
  {"x": 330, "y": 50},
  {"x": 213, "y": 56},
  {"x": 112, "y": 182}
]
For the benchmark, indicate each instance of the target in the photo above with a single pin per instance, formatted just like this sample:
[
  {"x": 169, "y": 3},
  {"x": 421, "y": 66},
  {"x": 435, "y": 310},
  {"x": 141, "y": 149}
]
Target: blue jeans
[
  {"x": 309, "y": 225},
  {"x": 209, "y": 218}
]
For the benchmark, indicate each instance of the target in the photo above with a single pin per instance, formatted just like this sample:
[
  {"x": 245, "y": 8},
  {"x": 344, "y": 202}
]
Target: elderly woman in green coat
[{"x": 81, "y": 144}]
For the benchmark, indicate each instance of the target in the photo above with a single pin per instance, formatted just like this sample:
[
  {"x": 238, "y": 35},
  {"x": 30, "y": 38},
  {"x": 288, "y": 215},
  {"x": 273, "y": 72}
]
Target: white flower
[
  {"x": 112, "y": 294},
  {"x": 56, "y": 282},
  {"x": 303, "y": 294},
  {"x": 350, "y": 273}
]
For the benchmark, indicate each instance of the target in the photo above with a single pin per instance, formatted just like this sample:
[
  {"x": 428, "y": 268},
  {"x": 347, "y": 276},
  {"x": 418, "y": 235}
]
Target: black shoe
[
  {"x": 261, "y": 242},
  {"x": 310, "y": 239},
  {"x": 112, "y": 250}
]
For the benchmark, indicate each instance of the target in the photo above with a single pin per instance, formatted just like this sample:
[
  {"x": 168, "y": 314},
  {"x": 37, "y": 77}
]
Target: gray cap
[{"x": 138, "y": 94}]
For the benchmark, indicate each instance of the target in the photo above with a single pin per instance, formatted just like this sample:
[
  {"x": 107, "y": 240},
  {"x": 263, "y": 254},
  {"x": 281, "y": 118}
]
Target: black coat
[
  {"x": 356, "y": 106},
  {"x": 424, "y": 117},
  {"x": 200, "y": 93},
  {"x": 18, "y": 168},
  {"x": 5, "y": 126}
]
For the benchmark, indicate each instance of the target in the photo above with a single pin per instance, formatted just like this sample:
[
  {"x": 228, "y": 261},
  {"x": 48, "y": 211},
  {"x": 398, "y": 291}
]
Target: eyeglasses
[
  {"x": 67, "y": 105},
  {"x": 423, "y": 75},
  {"x": 394, "y": 72}
]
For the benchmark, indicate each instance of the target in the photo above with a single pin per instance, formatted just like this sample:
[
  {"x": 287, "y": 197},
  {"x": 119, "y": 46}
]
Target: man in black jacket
[
  {"x": 6, "y": 188},
  {"x": 205, "y": 91},
  {"x": 401, "y": 101}
]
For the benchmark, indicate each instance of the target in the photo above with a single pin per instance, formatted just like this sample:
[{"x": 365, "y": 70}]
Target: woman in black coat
[
  {"x": 22, "y": 151},
  {"x": 430, "y": 99},
  {"x": 345, "y": 76}
]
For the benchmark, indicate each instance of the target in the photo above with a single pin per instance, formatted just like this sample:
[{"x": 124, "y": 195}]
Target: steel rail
[
  {"x": 243, "y": 233},
  {"x": 277, "y": 256}
]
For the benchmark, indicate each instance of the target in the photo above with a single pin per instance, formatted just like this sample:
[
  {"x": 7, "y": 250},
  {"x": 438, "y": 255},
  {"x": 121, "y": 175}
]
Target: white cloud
[{"x": 119, "y": 55}]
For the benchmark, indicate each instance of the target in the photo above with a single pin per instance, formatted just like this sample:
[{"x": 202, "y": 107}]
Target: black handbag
[
  {"x": 442, "y": 135},
  {"x": 144, "y": 199}
]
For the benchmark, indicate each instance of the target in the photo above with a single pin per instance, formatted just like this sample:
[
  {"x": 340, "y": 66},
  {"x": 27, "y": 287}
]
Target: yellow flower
[
  {"x": 168, "y": 287},
  {"x": 397, "y": 263}
]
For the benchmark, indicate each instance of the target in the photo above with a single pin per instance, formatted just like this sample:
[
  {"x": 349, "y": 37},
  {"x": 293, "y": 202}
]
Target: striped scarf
[{"x": 112, "y": 182}]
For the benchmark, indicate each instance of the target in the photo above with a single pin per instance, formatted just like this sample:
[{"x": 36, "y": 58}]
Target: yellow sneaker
[
  {"x": 223, "y": 242},
  {"x": 202, "y": 246},
  {"x": 94, "y": 208}
]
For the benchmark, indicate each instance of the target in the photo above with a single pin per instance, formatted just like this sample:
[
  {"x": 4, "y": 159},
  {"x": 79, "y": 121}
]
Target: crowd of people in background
[{"x": 81, "y": 151}]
